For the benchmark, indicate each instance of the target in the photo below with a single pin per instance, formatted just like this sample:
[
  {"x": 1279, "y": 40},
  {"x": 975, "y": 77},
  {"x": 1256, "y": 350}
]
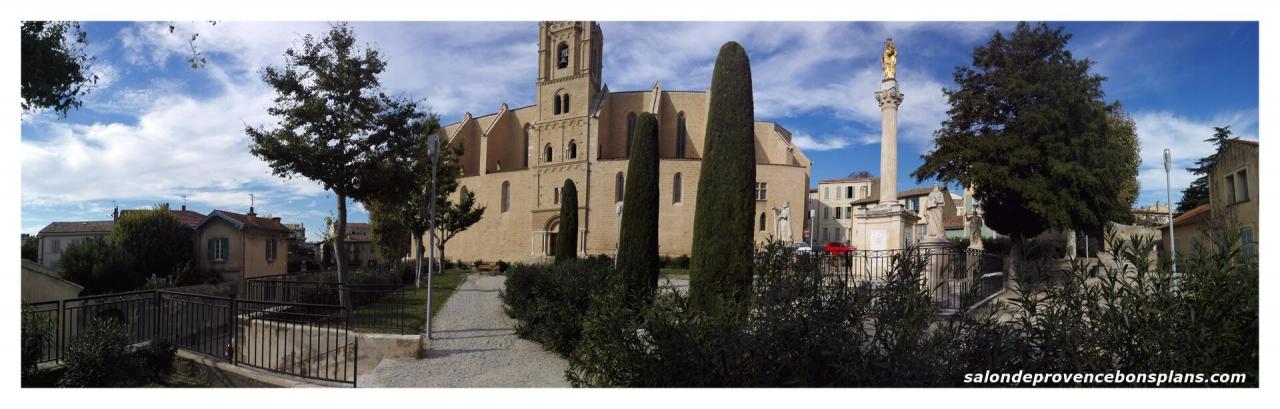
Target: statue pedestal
[
  {"x": 884, "y": 227},
  {"x": 940, "y": 259}
]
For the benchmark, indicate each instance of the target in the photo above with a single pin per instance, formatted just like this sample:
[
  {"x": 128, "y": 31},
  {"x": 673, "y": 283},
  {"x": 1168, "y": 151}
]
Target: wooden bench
[{"x": 487, "y": 267}]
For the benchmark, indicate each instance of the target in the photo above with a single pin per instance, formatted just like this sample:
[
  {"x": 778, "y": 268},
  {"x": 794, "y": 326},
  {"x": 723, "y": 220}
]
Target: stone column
[{"x": 889, "y": 98}]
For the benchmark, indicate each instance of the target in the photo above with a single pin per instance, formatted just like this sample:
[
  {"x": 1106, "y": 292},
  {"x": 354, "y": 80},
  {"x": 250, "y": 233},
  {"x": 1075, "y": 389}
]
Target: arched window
[
  {"x": 555, "y": 194},
  {"x": 546, "y": 154},
  {"x": 617, "y": 188},
  {"x": 681, "y": 135},
  {"x": 762, "y": 220},
  {"x": 676, "y": 189},
  {"x": 526, "y": 146},
  {"x": 506, "y": 196},
  {"x": 564, "y": 106},
  {"x": 573, "y": 150},
  {"x": 562, "y": 56},
  {"x": 631, "y": 131},
  {"x": 556, "y": 111}
]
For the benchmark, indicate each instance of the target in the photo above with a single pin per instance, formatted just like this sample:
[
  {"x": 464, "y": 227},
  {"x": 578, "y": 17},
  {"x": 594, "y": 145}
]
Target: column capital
[{"x": 889, "y": 96}]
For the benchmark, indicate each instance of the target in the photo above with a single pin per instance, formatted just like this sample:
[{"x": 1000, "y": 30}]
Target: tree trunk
[{"x": 339, "y": 247}]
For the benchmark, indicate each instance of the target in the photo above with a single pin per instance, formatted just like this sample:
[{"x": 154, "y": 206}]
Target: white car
[{"x": 802, "y": 247}]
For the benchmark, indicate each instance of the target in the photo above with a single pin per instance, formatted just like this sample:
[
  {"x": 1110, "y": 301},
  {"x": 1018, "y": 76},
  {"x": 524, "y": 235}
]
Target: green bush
[
  {"x": 36, "y": 331},
  {"x": 97, "y": 357},
  {"x": 153, "y": 362},
  {"x": 567, "y": 240},
  {"x": 723, "y": 234},
  {"x": 681, "y": 262},
  {"x": 548, "y": 301},
  {"x": 503, "y": 266},
  {"x": 99, "y": 266}
]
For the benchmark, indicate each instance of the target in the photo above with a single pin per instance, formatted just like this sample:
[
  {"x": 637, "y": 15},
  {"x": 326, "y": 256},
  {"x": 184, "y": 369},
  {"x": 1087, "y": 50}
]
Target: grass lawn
[{"x": 443, "y": 286}]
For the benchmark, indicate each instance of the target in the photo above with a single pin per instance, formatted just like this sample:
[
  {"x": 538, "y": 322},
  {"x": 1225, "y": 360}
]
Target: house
[
  {"x": 359, "y": 243},
  {"x": 240, "y": 246},
  {"x": 57, "y": 236},
  {"x": 1233, "y": 202},
  {"x": 841, "y": 199}
]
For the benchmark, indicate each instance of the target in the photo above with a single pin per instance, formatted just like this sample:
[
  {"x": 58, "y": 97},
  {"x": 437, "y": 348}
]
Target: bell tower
[{"x": 569, "y": 61}]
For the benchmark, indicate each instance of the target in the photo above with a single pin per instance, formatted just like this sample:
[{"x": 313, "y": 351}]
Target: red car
[{"x": 836, "y": 248}]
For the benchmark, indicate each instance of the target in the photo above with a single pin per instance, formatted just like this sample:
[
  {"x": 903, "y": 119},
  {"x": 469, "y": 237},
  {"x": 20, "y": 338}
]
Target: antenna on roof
[
  {"x": 184, "y": 202},
  {"x": 251, "y": 213}
]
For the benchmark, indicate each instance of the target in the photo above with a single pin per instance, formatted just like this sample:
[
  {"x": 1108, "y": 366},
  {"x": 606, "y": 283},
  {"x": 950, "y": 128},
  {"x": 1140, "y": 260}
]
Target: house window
[
  {"x": 555, "y": 196},
  {"x": 546, "y": 154},
  {"x": 825, "y": 235},
  {"x": 838, "y": 213},
  {"x": 1242, "y": 186},
  {"x": 564, "y": 105},
  {"x": 506, "y": 196},
  {"x": 848, "y": 212},
  {"x": 762, "y": 191},
  {"x": 573, "y": 150},
  {"x": 618, "y": 187},
  {"x": 57, "y": 246},
  {"x": 676, "y": 189},
  {"x": 848, "y": 192},
  {"x": 681, "y": 135},
  {"x": 631, "y": 131},
  {"x": 826, "y": 213},
  {"x": 271, "y": 249},
  {"x": 762, "y": 221},
  {"x": 864, "y": 192},
  {"x": 556, "y": 104},
  {"x": 218, "y": 249},
  {"x": 1247, "y": 245},
  {"x": 1231, "y": 189},
  {"x": 562, "y": 56}
]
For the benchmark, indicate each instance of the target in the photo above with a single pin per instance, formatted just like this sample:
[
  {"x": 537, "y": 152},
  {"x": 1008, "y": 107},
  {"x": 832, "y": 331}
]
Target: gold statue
[{"x": 889, "y": 61}]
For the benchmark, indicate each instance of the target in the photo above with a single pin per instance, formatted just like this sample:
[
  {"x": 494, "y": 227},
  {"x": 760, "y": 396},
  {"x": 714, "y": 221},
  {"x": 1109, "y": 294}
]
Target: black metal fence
[
  {"x": 957, "y": 278},
  {"x": 304, "y": 340},
  {"x": 377, "y": 307}
]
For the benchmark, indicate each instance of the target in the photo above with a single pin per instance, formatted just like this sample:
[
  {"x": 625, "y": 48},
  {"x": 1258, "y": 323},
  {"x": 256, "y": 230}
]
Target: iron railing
[
  {"x": 298, "y": 339},
  {"x": 376, "y": 307},
  {"x": 956, "y": 278}
]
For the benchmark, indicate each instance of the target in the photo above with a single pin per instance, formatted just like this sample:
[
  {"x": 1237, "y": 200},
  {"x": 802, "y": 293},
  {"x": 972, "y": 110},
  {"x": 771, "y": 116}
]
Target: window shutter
[
  {"x": 209, "y": 252},
  {"x": 226, "y": 248}
]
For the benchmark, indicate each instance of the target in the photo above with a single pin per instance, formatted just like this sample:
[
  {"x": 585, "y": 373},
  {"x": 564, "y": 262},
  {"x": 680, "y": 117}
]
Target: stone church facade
[{"x": 517, "y": 159}]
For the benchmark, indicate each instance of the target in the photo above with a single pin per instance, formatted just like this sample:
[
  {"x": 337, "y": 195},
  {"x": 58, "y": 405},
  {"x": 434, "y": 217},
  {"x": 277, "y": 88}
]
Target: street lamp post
[
  {"x": 813, "y": 233},
  {"x": 1168, "y": 191},
  {"x": 433, "y": 151}
]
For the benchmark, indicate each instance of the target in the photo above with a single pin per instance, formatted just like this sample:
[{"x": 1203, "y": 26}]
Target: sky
[{"x": 154, "y": 130}]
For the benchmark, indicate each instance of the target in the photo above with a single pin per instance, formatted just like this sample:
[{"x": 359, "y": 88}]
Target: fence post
[
  {"x": 155, "y": 330},
  {"x": 232, "y": 307},
  {"x": 61, "y": 336}
]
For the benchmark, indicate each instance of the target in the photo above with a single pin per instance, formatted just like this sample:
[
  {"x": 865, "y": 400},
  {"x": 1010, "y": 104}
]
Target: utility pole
[{"x": 433, "y": 151}]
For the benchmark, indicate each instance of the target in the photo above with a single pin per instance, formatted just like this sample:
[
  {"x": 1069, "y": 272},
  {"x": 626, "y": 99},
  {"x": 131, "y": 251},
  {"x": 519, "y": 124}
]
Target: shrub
[
  {"x": 723, "y": 239},
  {"x": 548, "y": 301},
  {"x": 36, "y": 330},
  {"x": 567, "y": 240},
  {"x": 503, "y": 266},
  {"x": 153, "y": 363},
  {"x": 97, "y": 356},
  {"x": 99, "y": 266},
  {"x": 638, "y": 248},
  {"x": 682, "y": 261}
]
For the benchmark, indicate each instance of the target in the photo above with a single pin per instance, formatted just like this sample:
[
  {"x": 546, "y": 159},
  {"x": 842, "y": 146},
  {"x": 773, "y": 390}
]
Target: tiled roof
[
  {"x": 186, "y": 217},
  {"x": 950, "y": 222},
  {"x": 79, "y": 227},
  {"x": 837, "y": 180},
  {"x": 1245, "y": 141},
  {"x": 919, "y": 191},
  {"x": 246, "y": 221},
  {"x": 1194, "y": 215}
]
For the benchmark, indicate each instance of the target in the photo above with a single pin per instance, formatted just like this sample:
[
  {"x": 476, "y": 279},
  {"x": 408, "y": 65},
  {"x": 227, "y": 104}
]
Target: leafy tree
[
  {"x": 638, "y": 240},
  {"x": 30, "y": 247},
  {"x": 335, "y": 123},
  {"x": 456, "y": 218},
  {"x": 1029, "y": 129},
  {"x": 567, "y": 239},
  {"x": 388, "y": 230},
  {"x": 1198, "y": 193},
  {"x": 98, "y": 266},
  {"x": 154, "y": 242},
  {"x": 55, "y": 66},
  {"x": 723, "y": 244}
]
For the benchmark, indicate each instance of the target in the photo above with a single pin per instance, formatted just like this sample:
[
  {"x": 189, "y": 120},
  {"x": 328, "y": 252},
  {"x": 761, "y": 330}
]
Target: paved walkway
[{"x": 475, "y": 346}]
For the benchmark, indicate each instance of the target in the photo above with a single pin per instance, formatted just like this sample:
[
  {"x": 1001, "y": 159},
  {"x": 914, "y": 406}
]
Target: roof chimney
[
  {"x": 115, "y": 214},
  {"x": 184, "y": 207},
  {"x": 277, "y": 219},
  {"x": 251, "y": 213}
]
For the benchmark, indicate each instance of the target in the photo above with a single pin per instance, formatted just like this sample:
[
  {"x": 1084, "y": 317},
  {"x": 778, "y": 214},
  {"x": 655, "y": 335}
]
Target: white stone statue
[
  {"x": 783, "y": 225},
  {"x": 975, "y": 230},
  {"x": 933, "y": 205}
]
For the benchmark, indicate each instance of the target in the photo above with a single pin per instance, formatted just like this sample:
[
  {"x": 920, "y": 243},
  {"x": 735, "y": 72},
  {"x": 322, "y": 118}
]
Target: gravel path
[{"x": 475, "y": 346}]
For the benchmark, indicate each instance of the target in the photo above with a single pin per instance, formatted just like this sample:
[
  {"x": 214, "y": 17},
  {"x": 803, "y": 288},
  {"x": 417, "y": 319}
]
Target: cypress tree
[
  {"x": 638, "y": 246},
  {"x": 721, "y": 266},
  {"x": 567, "y": 239}
]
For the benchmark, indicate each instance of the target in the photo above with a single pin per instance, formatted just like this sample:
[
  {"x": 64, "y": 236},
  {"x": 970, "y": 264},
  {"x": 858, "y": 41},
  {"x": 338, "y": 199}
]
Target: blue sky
[{"x": 154, "y": 129}]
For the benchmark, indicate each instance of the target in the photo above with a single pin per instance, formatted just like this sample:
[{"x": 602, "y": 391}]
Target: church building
[{"x": 517, "y": 159}]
